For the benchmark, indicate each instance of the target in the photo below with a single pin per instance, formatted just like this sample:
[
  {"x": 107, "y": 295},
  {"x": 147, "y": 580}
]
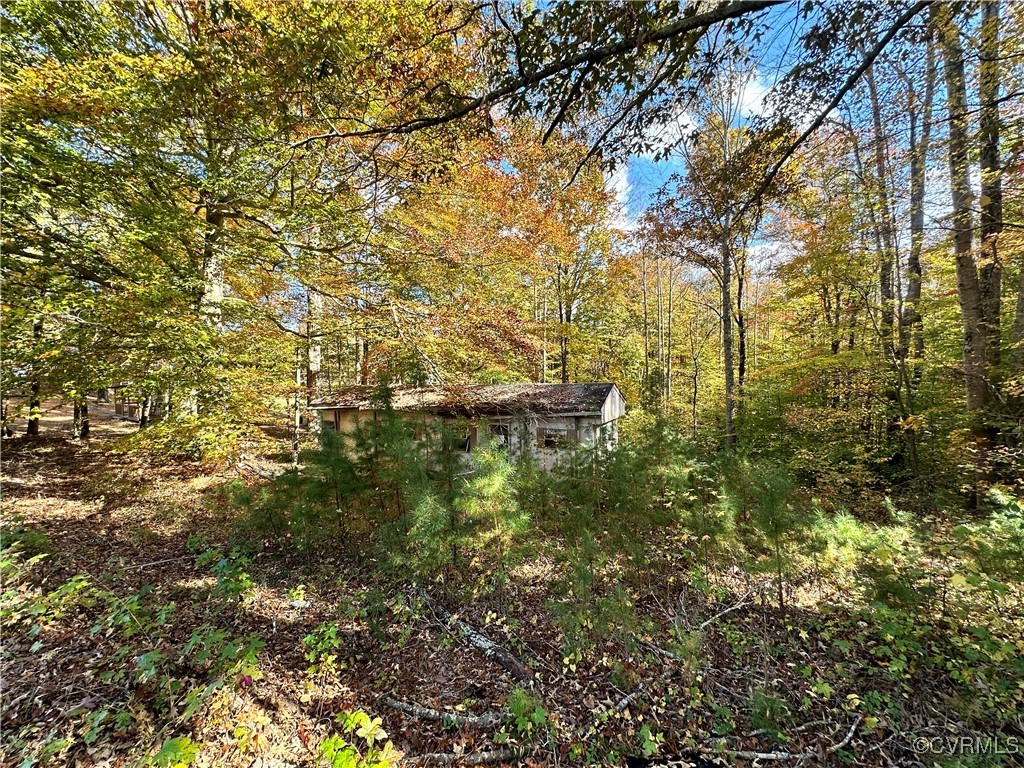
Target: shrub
[
  {"x": 213, "y": 438},
  {"x": 337, "y": 752}
]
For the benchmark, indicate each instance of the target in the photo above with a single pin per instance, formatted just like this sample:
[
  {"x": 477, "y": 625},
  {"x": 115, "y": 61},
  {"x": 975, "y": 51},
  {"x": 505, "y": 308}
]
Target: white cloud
[
  {"x": 617, "y": 184},
  {"x": 764, "y": 256},
  {"x": 751, "y": 97}
]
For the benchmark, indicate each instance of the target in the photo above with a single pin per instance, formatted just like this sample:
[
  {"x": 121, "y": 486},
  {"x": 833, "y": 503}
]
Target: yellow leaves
[
  {"x": 913, "y": 423},
  {"x": 960, "y": 582},
  {"x": 91, "y": 89}
]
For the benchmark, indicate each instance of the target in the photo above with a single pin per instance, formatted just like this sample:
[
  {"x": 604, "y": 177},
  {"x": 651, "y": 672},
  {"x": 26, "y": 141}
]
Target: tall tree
[{"x": 975, "y": 345}]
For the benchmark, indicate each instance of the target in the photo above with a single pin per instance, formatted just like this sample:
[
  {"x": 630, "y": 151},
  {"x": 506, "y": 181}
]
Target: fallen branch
[
  {"x": 157, "y": 562},
  {"x": 490, "y": 649},
  {"x": 477, "y": 758},
  {"x": 244, "y": 468},
  {"x": 797, "y": 729},
  {"x": 625, "y": 701},
  {"x": 807, "y": 754},
  {"x": 766, "y": 756},
  {"x": 835, "y": 748},
  {"x": 489, "y": 720},
  {"x": 720, "y": 614},
  {"x": 621, "y": 705}
]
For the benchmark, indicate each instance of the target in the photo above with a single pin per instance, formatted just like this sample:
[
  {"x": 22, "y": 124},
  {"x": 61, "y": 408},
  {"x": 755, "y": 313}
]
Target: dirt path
[{"x": 57, "y": 420}]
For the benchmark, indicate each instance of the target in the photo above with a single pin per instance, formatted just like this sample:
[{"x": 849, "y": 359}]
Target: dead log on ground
[
  {"x": 504, "y": 755},
  {"x": 488, "y": 647},
  {"x": 489, "y": 720}
]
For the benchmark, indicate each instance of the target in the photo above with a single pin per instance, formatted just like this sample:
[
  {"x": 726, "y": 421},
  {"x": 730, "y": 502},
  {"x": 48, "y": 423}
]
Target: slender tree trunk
[
  {"x": 647, "y": 327},
  {"x": 314, "y": 349},
  {"x": 565, "y": 312},
  {"x": 35, "y": 404},
  {"x": 919, "y": 144},
  {"x": 668, "y": 360},
  {"x": 975, "y": 342},
  {"x": 297, "y": 411},
  {"x": 991, "y": 276},
  {"x": 727, "y": 350},
  {"x": 886, "y": 228},
  {"x": 1018, "y": 323},
  {"x": 83, "y": 421},
  {"x": 693, "y": 401},
  {"x": 741, "y": 327},
  {"x": 544, "y": 340},
  {"x": 660, "y": 304},
  {"x": 145, "y": 410},
  {"x": 888, "y": 261}
]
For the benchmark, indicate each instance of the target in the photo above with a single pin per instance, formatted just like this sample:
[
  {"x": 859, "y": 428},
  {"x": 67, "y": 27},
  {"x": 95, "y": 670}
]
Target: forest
[{"x": 790, "y": 233}]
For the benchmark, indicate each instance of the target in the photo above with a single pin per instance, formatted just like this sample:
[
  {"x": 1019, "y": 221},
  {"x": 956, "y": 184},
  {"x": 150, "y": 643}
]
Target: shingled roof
[{"x": 477, "y": 399}]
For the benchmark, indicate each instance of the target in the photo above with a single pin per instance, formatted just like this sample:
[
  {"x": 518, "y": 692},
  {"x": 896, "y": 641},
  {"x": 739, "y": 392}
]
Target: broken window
[
  {"x": 465, "y": 441},
  {"x": 554, "y": 438},
  {"x": 501, "y": 435}
]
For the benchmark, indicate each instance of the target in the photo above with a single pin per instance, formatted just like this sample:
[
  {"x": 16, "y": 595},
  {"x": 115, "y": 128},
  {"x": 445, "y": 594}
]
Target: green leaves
[
  {"x": 336, "y": 752},
  {"x": 175, "y": 752}
]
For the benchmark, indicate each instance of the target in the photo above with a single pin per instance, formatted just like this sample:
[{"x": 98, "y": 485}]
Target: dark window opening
[
  {"x": 555, "y": 439},
  {"x": 465, "y": 442},
  {"x": 501, "y": 435}
]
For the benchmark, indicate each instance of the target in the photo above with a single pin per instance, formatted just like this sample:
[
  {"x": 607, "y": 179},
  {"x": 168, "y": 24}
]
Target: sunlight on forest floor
[{"x": 267, "y": 644}]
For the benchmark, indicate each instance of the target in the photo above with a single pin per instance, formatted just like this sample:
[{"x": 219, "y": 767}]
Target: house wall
[
  {"x": 547, "y": 438},
  {"x": 613, "y": 409}
]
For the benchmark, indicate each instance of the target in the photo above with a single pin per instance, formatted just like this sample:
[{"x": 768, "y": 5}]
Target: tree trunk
[
  {"x": 213, "y": 266},
  {"x": 727, "y": 352},
  {"x": 668, "y": 344},
  {"x": 564, "y": 322},
  {"x": 1018, "y": 324},
  {"x": 660, "y": 354},
  {"x": 991, "y": 276},
  {"x": 919, "y": 144},
  {"x": 886, "y": 228},
  {"x": 144, "y": 411},
  {"x": 83, "y": 420},
  {"x": 35, "y": 404},
  {"x": 741, "y": 327},
  {"x": 974, "y": 350},
  {"x": 647, "y": 326},
  {"x": 544, "y": 339},
  {"x": 693, "y": 401},
  {"x": 314, "y": 349},
  {"x": 297, "y": 411}
]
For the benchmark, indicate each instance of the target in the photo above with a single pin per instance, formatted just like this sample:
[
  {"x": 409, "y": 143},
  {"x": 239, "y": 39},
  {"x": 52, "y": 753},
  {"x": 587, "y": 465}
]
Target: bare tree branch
[{"x": 723, "y": 12}]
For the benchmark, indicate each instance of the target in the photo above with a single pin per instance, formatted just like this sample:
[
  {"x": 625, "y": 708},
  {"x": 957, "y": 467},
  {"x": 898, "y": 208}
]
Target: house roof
[{"x": 476, "y": 399}]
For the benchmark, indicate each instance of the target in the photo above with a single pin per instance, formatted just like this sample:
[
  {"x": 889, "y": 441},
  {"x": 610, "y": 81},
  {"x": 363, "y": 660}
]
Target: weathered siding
[{"x": 548, "y": 438}]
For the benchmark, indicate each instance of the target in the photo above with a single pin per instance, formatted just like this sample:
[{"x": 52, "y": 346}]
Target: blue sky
[{"x": 777, "y": 51}]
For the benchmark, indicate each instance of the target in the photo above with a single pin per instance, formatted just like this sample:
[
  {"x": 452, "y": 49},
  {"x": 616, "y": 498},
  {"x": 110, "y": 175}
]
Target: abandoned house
[{"x": 547, "y": 420}]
